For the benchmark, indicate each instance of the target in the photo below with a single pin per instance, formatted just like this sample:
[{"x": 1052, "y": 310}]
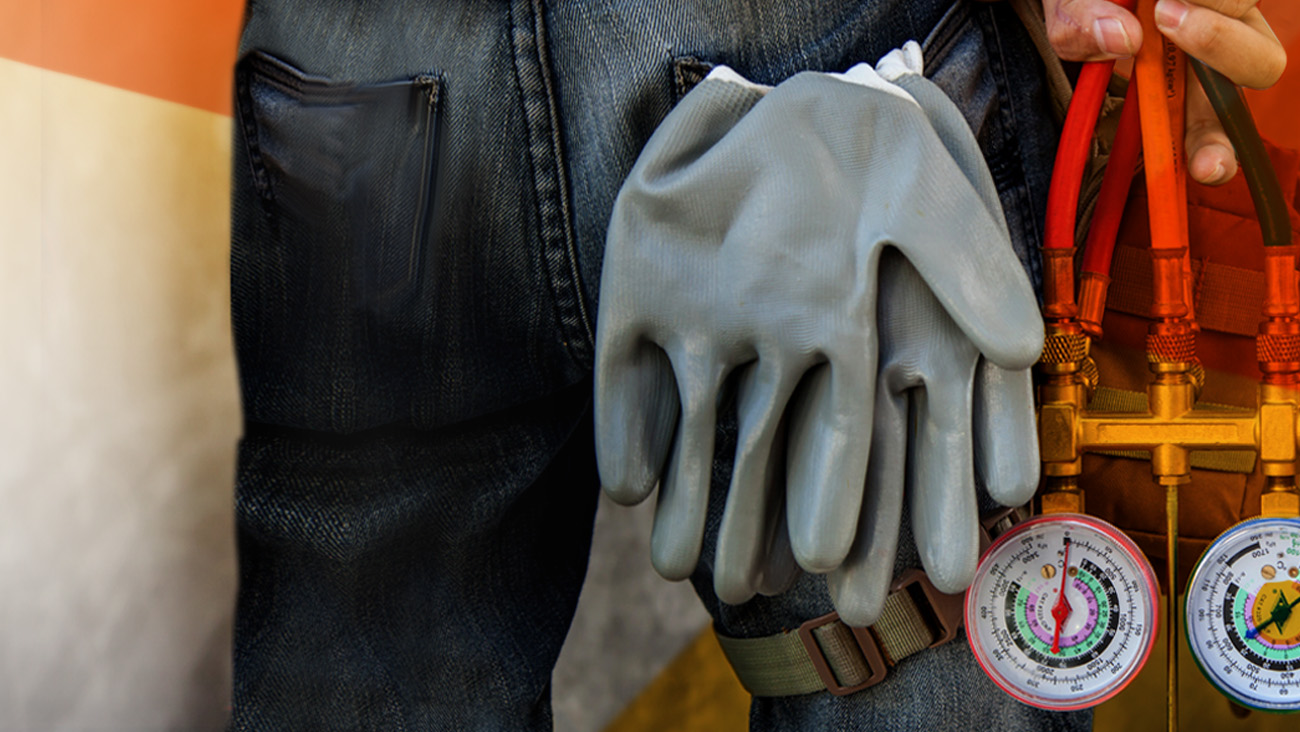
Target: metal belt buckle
[{"x": 866, "y": 643}]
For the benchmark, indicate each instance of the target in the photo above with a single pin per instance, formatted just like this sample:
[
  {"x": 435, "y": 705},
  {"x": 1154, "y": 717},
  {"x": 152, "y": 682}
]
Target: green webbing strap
[
  {"x": 776, "y": 665},
  {"x": 826, "y": 654},
  {"x": 1107, "y": 399},
  {"x": 842, "y": 653},
  {"x": 779, "y": 665},
  {"x": 901, "y": 630}
]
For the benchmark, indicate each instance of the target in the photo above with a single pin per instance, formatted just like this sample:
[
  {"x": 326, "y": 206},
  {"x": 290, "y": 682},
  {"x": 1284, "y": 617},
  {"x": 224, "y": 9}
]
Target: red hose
[
  {"x": 1115, "y": 186},
  {"x": 1094, "y": 280},
  {"x": 1072, "y": 153},
  {"x": 1063, "y": 196}
]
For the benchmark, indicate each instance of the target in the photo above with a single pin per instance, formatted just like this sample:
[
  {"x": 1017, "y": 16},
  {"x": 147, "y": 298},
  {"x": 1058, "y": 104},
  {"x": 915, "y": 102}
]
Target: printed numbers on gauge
[
  {"x": 1243, "y": 614},
  {"x": 1062, "y": 612}
]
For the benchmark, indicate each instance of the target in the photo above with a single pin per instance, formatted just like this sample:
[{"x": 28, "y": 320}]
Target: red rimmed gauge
[{"x": 1063, "y": 611}]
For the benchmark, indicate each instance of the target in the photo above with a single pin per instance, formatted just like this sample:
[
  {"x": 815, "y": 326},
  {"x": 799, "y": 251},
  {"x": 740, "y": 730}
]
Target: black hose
[{"x": 1230, "y": 106}]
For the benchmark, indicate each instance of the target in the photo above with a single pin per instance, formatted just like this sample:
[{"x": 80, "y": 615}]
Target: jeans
[{"x": 420, "y": 196}]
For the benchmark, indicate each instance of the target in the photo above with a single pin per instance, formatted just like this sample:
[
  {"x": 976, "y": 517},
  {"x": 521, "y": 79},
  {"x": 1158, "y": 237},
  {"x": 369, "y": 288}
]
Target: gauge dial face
[
  {"x": 1062, "y": 612},
  {"x": 1243, "y": 613}
]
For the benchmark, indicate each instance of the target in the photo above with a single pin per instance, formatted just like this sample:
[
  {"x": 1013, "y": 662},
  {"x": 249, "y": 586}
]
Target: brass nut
[
  {"x": 1091, "y": 376},
  {"x": 1277, "y": 433},
  {"x": 1062, "y": 502},
  {"x": 1176, "y": 347},
  {"x": 1277, "y": 347},
  {"x": 1280, "y": 504},
  {"x": 1197, "y": 374}
]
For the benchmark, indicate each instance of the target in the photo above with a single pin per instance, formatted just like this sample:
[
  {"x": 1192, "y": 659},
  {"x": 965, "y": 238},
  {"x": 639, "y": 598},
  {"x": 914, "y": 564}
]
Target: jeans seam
[
  {"x": 248, "y": 127},
  {"x": 1006, "y": 113},
  {"x": 555, "y": 214},
  {"x": 935, "y": 46}
]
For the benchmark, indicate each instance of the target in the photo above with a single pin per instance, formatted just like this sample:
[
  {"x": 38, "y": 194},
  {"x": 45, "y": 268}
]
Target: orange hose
[
  {"x": 1176, "y": 78},
  {"x": 1158, "y": 90}
]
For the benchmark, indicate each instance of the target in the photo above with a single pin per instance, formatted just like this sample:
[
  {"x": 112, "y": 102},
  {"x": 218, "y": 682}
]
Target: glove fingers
[
  {"x": 755, "y": 496},
  {"x": 860, "y": 585},
  {"x": 684, "y": 491},
  {"x": 941, "y": 480},
  {"x": 1006, "y": 445},
  {"x": 780, "y": 570},
  {"x": 636, "y": 410},
  {"x": 980, "y": 282},
  {"x": 830, "y": 438}
]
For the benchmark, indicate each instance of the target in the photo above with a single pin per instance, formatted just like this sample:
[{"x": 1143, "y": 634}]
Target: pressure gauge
[
  {"x": 1243, "y": 613},
  {"x": 1062, "y": 612}
]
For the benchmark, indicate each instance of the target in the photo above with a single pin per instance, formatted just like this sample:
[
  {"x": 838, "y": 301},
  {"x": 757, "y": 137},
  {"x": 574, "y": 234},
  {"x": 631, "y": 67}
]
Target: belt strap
[
  {"x": 827, "y": 654},
  {"x": 1228, "y": 299}
]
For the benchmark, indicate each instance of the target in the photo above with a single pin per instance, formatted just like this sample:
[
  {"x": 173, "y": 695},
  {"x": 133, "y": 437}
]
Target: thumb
[
  {"x": 1092, "y": 30},
  {"x": 1211, "y": 159}
]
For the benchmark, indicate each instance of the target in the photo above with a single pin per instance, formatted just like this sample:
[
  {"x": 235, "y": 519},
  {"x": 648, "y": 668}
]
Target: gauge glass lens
[
  {"x": 1062, "y": 612},
  {"x": 1242, "y": 613}
]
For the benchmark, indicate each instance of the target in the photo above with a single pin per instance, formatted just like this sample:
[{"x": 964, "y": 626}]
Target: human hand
[
  {"x": 749, "y": 244},
  {"x": 1230, "y": 36}
]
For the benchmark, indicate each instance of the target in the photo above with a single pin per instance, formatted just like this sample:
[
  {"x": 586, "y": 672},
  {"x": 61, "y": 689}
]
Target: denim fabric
[{"x": 420, "y": 196}]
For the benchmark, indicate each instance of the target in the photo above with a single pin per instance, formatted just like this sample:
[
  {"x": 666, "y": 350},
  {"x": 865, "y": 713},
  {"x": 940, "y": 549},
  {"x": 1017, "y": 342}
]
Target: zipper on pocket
[{"x": 427, "y": 86}]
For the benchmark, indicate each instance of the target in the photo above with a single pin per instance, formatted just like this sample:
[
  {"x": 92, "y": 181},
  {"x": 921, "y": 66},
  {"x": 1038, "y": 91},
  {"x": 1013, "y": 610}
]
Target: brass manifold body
[{"x": 1172, "y": 427}]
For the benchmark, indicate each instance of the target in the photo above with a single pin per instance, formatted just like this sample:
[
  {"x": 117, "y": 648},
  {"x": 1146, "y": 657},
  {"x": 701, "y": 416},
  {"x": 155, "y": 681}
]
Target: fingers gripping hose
[{"x": 1278, "y": 343}]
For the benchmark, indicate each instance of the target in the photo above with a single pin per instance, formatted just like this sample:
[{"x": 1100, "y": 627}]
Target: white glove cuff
[
  {"x": 729, "y": 75},
  {"x": 864, "y": 75},
  {"x": 905, "y": 60}
]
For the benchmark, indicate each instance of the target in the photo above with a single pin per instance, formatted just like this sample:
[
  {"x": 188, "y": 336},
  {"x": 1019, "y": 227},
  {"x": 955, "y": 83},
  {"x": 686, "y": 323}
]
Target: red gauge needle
[{"x": 1061, "y": 610}]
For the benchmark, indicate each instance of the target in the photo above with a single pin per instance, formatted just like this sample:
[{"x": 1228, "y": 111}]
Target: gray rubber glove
[
  {"x": 746, "y": 244},
  {"x": 942, "y": 411}
]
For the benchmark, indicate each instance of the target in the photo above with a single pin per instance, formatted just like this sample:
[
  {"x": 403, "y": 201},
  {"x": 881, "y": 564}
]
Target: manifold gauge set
[{"x": 1064, "y": 608}]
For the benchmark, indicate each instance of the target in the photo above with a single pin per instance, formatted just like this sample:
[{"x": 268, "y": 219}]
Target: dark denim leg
[
  {"x": 416, "y": 483},
  {"x": 412, "y": 580}
]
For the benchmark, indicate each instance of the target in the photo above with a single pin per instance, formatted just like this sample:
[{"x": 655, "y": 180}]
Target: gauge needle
[
  {"x": 1061, "y": 610},
  {"x": 1281, "y": 612}
]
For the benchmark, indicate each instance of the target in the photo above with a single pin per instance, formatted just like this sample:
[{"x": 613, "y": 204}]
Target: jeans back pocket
[{"x": 330, "y": 321}]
